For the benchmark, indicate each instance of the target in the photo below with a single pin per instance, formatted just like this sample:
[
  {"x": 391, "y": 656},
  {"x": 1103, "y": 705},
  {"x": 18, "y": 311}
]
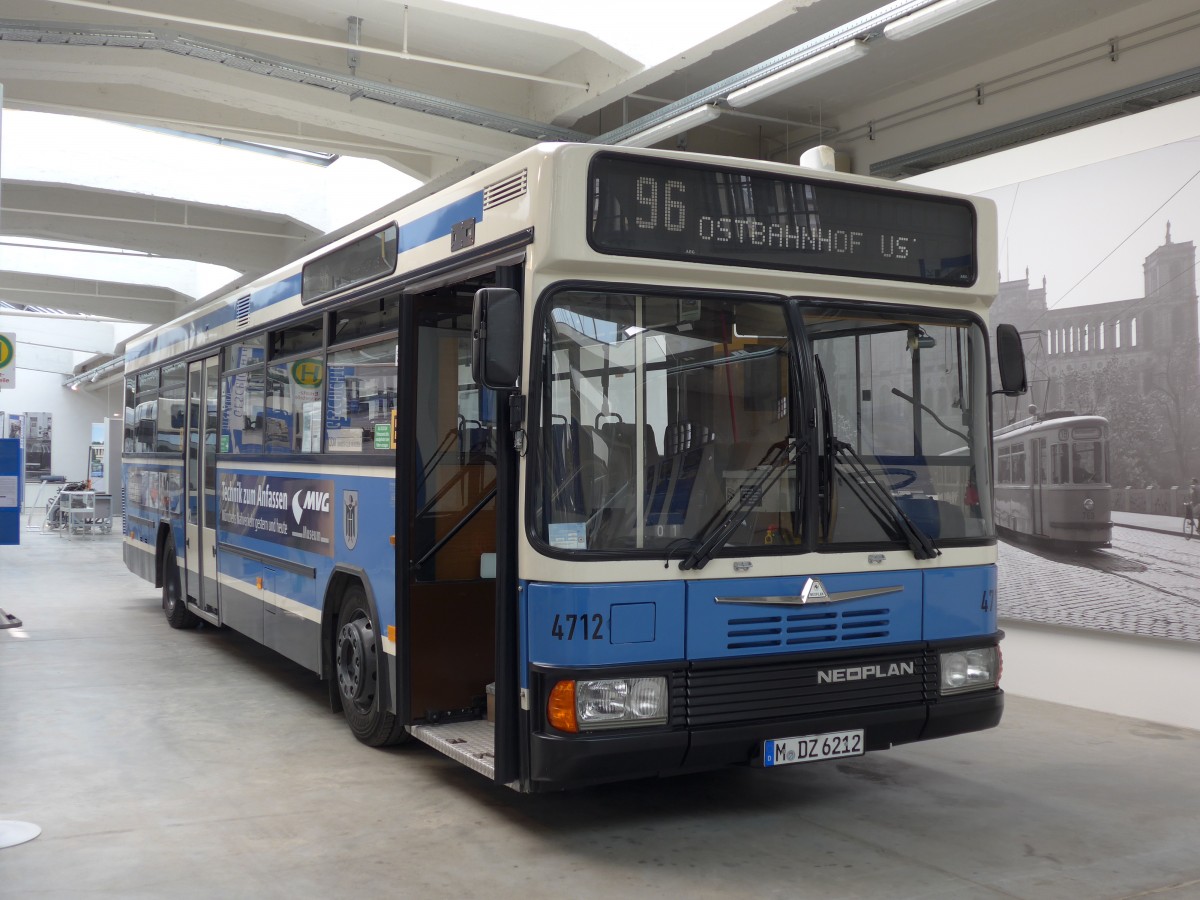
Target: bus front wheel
[
  {"x": 359, "y": 669},
  {"x": 174, "y": 606}
]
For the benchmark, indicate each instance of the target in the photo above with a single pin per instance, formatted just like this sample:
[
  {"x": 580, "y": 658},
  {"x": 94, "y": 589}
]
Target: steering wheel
[{"x": 905, "y": 476}]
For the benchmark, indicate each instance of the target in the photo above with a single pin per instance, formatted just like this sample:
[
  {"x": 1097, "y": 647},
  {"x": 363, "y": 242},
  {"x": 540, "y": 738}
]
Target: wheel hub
[{"x": 355, "y": 662}]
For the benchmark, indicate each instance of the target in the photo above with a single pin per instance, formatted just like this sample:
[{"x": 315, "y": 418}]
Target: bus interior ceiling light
[
  {"x": 671, "y": 127},
  {"x": 929, "y": 17},
  {"x": 801, "y": 71}
]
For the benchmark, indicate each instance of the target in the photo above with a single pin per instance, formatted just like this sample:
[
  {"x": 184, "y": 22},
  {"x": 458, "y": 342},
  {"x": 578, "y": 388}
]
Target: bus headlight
[
  {"x": 969, "y": 670},
  {"x": 1089, "y": 504},
  {"x": 576, "y": 706}
]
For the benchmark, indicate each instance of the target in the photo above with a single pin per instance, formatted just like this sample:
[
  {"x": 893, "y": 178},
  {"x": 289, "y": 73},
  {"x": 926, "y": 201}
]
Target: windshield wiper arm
[
  {"x": 751, "y": 491},
  {"x": 885, "y": 505},
  {"x": 877, "y": 499}
]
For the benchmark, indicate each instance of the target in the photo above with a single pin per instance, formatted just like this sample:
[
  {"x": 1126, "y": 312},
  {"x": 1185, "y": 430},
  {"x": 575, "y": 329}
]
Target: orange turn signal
[{"x": 560, "y": 708}]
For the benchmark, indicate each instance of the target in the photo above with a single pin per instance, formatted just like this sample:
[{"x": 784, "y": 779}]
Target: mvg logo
[{"x": 302, "y": 500}]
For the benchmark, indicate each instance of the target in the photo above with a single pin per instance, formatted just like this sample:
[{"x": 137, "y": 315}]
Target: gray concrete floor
[{"x": 197, "y": 764}]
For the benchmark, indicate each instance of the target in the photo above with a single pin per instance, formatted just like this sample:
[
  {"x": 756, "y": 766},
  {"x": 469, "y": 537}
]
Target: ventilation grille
[
  {"x": 243, "y": 312},
  {"x": 805, "y": 629},
  {"x": 764, "y": 692},
  {"x": 509, "y": 189}
]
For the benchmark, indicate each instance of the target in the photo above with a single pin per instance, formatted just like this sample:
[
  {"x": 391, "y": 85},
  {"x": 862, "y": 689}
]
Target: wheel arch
[{"x": 162, "y": 540}]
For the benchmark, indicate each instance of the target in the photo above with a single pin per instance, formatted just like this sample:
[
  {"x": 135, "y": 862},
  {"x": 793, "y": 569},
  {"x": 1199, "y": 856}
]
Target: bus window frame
[
  {"x": 360, "y": 341},
  {"x": 326, "y": 316},
  {"x": 536, "y": 387},
  {"x": 951, "y": 317}
]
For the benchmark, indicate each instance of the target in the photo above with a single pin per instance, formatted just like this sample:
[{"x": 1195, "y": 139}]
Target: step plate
[{"x": 471, "y": 743}]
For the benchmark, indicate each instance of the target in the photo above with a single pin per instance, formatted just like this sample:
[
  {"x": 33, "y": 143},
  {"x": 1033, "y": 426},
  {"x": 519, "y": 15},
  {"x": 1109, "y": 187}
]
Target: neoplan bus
[{"x": 684, "y": 458}]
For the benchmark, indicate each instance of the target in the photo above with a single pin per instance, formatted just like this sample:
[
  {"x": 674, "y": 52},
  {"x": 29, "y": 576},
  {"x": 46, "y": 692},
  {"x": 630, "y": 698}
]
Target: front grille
[
  {"x": 778, "y": 689},
  {"x": 809, "y": 628}
]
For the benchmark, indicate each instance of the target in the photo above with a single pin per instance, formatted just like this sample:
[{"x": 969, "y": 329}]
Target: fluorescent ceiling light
[
  {"x": 672, "y": 127},
  {"x": 801, "y": 71},
  {"x": 928, "y": 17}
]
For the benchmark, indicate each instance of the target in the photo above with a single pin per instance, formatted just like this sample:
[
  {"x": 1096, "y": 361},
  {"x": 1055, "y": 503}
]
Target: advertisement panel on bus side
[{"x": 295, "y": 512}]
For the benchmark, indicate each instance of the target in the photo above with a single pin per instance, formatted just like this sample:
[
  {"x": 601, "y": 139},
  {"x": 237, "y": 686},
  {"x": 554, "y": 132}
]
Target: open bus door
[
  {"x": 456, "y": 591},
  {"x": 200, "y": 464}
]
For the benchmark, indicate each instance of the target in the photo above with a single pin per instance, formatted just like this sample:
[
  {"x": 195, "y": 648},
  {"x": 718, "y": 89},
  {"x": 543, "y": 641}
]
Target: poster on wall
[
  {"x": 38, "y": 438},
  {"x": 1095, "y": 465}
]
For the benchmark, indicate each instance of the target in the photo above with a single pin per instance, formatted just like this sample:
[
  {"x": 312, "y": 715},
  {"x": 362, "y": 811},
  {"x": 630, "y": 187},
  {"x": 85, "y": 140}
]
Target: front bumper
[{"x": 722, "y": 713}]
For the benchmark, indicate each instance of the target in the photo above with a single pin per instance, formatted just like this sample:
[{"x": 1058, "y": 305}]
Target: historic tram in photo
[{"x": 1052, "y": 483}]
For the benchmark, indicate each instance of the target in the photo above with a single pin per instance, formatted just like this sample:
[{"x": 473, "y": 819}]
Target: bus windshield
[
  {"x": 903, "y": 407},
  {"x": 675, "y": 425}
]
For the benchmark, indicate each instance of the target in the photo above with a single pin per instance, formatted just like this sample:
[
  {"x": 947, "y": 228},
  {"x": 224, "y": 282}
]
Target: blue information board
[{"x": 10, "y": 491}]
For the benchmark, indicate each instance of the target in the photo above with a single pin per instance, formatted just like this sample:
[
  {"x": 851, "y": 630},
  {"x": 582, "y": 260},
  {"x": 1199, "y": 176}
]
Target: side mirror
[
  {"x": 496, "y": 338},
  {"x": 1010, "y": 357}
]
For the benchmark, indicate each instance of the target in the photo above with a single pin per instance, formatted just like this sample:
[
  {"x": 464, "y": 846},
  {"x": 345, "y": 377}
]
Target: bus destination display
[{"x": 665, "y": 209}]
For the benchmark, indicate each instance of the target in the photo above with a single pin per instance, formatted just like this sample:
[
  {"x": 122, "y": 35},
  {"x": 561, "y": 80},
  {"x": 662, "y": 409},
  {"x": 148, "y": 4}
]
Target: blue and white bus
[{"x": 600, "y": 464}]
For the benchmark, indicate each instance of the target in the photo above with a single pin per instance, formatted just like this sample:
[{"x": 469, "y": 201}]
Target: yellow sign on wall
[{"x": 8, "y": 360}]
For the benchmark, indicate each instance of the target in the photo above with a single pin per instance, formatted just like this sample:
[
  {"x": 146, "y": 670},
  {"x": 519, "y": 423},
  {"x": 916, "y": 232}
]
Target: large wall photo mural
[{"x": 1094, "y": 466}]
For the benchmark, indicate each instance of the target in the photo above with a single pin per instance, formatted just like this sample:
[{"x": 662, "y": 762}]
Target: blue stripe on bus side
[
  {"x": 183, "y": 334},
  {"x": 439, "y": 223},
  {"x": 412, "y": 235}
]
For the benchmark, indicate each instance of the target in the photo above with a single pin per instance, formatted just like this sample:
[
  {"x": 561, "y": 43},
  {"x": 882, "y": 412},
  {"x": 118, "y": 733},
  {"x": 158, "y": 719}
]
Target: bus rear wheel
[
  {"x": 358, "y": 668},
  {"x": 174, "y": 605}
]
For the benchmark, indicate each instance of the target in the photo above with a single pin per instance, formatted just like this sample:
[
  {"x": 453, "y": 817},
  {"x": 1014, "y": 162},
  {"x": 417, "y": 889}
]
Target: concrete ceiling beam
[
  {"x": 237, "y": 239},
  {"x": 115, "y": 300}
]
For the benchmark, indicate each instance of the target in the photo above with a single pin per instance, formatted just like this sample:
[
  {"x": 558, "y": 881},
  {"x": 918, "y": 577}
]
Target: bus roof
[{"x": 501, "y": 204}]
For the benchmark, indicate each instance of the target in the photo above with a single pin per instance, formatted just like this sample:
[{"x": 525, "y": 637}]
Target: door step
[{"x": 471, "y": 743}]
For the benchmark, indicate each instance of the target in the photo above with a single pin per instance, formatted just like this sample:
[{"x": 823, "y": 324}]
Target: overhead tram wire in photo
[{"x": 1121, "y": 244}]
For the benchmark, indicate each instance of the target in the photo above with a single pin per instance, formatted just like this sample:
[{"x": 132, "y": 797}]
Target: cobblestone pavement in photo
[{"x": 1147, "y": 584}]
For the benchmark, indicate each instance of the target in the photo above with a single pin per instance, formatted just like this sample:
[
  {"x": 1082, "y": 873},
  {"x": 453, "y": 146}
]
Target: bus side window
[
  {"x": 146, "y": 412},
  {"x": 130, "y": 416}
]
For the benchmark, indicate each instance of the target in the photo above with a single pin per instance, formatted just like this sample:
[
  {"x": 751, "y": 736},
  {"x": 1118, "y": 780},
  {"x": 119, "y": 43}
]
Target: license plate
[{"x": 813, "y": 747}]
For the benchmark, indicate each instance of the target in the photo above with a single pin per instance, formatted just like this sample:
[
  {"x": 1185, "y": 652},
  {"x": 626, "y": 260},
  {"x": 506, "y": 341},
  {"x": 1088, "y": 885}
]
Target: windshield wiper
[
  {"x": 749, "y": 493},
  {"x": 876, "y": 499},
  {"x": 879, "y": 502}
]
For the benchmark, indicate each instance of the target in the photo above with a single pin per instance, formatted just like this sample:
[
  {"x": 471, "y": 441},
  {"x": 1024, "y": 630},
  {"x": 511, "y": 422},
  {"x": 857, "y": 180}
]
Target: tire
[
  {"x": 173, "y": 602},
  {"x": 358, "y": 668}
]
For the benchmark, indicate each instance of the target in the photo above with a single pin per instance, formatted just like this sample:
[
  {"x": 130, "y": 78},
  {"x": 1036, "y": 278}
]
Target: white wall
[
  {"x": 1144, "y": 678},
  {"x": 73, "y": 414},
  {"x": 48, "y": 349}
]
